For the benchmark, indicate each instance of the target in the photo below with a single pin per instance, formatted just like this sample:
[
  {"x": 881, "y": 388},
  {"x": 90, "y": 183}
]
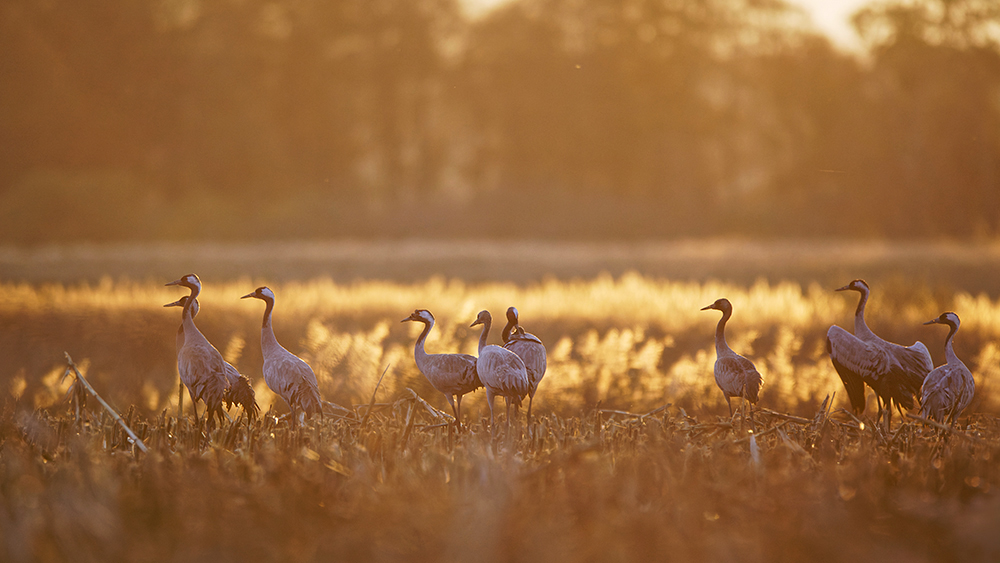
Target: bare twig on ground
[{"x": 114, "y": 414}]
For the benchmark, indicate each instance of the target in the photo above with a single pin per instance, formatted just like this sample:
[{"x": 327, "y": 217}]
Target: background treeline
[{"x": 256, "y": 119}]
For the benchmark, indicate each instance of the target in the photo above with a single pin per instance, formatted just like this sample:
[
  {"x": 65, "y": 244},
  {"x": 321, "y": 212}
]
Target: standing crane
[
  {"x": 948, "y": 389},
  {"x": 894, "y": 372},
  {"x": 452, "y": 374},
  {"x": 240, "y": 390},
  {"x": 201, "y": 368},
  {"x": 501, "y": 371},
  {"x": 530, "y": 349},
  {"x": 734, "y": 374},
  {"x": 285, "y": 373}
]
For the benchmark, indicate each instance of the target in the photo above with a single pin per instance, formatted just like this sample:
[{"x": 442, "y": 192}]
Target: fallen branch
[
  {"x": 430, "y": 409},
  {"x": 783, "y": 416},
  {"x": 114, "y": 414},
  {"x": 636, "y": 415},
  {"x": 946, "y": 428}
]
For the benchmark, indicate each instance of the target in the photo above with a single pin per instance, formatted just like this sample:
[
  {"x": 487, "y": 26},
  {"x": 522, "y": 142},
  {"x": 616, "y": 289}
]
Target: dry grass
[
  {"x": 586, "y": 484},
  {"x": 598, "y": 486}
]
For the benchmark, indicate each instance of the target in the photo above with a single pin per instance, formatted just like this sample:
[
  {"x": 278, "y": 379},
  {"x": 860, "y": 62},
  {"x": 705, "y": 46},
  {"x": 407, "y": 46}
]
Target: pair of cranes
[
  {"x": 208, "y": 377},
  {"x": 511, "y": 371},
  {"x": 896, "y": 373}
]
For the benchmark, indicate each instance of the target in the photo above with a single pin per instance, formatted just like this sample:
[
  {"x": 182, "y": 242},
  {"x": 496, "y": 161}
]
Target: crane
[
  {"x": 285, "y": 373},
  {"x": 530, "y": 349},
  {"x": 501, "y": 371},
  {"x": 948, "y": 388},
  {"x": 735, "y": 375},
  {"x": 201, "y": 367},
  {"x": 452, "y": 374},
  {"x": 240, "y": 390},
  {"x": 894, "y": 372}
]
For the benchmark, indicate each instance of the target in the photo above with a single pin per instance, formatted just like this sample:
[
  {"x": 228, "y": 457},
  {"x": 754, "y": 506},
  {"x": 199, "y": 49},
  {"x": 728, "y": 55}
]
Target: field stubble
[{"x": 587, "y": 484}]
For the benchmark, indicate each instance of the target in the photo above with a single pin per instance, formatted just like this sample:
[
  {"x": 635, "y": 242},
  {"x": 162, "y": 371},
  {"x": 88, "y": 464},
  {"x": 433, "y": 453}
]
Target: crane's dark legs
[
  {"x": 489, "y": 401},
  {"x": 531, "y": 399}
]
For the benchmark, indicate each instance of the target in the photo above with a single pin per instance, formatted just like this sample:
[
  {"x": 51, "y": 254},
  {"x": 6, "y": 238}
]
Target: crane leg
[
  {"x": 489, "y": 401},
  {"x": 458, "y": 411},
  {"x": 180, "y": 400},
  {"x": 531, "y": 397},
  {"x": 730, "y": 403}
]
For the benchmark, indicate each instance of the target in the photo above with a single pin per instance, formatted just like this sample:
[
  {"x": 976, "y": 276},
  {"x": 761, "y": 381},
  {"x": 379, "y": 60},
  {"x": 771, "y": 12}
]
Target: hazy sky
[{"x": 830, "y": 16}]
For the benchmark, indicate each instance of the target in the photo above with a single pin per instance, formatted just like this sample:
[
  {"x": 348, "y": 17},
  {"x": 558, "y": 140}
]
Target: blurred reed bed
[
  {"x": 631, "y": 342},
  {"x": 401, "y": 486}
]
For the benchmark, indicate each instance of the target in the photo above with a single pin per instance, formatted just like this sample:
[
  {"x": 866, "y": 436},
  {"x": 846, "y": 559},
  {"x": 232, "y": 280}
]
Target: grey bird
[
  {"x": 240, "y": 390},
  {"x": 894, "y": 372},
  {"x": 735, "y": 375},
  {"x": 285, "y": 373},
  {"x": 948, "y": 389},
  {"x": 451, "y": 374},
  {"x": 529, "y": 348},
  {"x": 501, "y": 371},
  {"x": 200, "y": 365}
]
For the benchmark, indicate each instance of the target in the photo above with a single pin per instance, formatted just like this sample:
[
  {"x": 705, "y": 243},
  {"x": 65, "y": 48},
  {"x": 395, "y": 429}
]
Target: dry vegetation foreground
[{"x": 403, "y": 486}]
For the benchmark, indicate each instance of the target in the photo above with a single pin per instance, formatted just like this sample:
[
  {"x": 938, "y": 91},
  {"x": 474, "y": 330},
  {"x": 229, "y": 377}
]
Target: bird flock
[{"x": 901, "y": 377}]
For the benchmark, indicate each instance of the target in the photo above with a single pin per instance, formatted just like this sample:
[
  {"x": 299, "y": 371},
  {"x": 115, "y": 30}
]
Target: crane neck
[
  {"x": 507, "y": 329},
  {"x": 188, "y": 330},
  {"x": 485, "y": 335},
  {"x": 195, "y": 291},
  {"x": 418, "y": 349},
  {"x": 721, "y": 347},
  {"x": 949, "y": 350},
  {"x": 267, "y": 339},
  {"x": 861, "y": 329}
]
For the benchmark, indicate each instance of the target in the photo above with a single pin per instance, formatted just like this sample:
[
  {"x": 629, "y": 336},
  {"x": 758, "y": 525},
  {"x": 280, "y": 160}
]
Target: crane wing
[
  {"x": 502, "y": 371},
  {"x": 737, "y": 377},
  {"x": 948, "y": 389},
  {"x": 202, "y": 371},
  {"x": 294, "y": 381},
  {"x": 453, "y": 374},
  {"x": 532, "y": 352},
  {"x": 856, "y": 362}
]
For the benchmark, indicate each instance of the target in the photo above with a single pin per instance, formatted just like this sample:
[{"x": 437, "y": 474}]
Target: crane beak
[
  {"x": 174, "y": 304},
  {"x": 933, "y": 322},
  {"x": 845, "y": 288},
  {"x": 478, "y": 322},
  {"x": 712, "y": 306},
  {"x": 406, "y": 319},
  {"x": 175, "y": 282},
  {"x": 247, "y": 295}
]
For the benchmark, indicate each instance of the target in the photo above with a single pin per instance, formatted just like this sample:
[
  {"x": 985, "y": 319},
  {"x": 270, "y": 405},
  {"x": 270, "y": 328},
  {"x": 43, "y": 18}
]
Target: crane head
[
  {"x": 858, "y": 285},
  {"x": 189, "y": 281},
  {"x": 721, "y": 304},
  {"x": 421, "y": 316},
  {"x": 948, "y": 318},
  {"x": 182, "y": 302},
  {"x": 263, "y": 293},
  {"x": 484, "y": 317},
  {"x": 512, "y": 314}
]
